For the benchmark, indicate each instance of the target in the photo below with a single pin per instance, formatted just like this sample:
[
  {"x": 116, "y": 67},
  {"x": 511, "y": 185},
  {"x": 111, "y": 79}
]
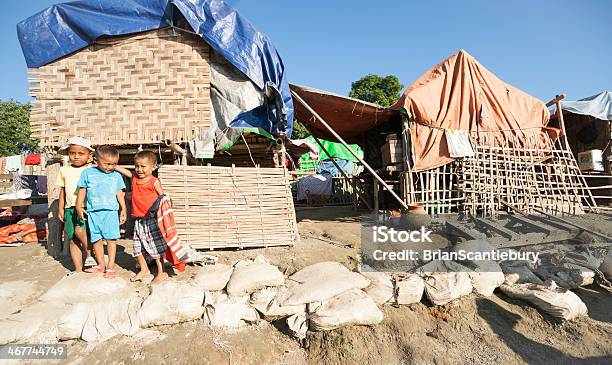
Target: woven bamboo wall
[
  {"x": 219, "y": 207},
  {"x": 134, "y": 89}
]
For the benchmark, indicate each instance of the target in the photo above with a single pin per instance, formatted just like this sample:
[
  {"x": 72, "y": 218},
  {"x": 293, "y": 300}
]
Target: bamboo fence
[
  {"x": 135, "y": 89},
  {"x": 220, "y": 207},
  {"x": 537, "y": 173}
]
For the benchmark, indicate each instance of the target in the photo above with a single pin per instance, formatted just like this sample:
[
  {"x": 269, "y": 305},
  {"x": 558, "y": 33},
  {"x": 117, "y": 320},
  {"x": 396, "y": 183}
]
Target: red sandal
[
  {"x": 110, "y": 274},
  {"x": 95, "y": 270}
]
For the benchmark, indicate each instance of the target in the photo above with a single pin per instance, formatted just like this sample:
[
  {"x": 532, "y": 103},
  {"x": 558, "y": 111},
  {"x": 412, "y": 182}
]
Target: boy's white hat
[{"x": 78, "y": 141}]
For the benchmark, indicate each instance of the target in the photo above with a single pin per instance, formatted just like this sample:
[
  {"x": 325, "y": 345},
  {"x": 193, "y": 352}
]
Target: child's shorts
[
  {"x": 72, "y": 221},
  {"x": 103, "y": 224}
]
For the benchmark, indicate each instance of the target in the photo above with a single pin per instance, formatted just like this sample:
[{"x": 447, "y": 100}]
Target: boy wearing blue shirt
[{"x": 102, "y": 188}]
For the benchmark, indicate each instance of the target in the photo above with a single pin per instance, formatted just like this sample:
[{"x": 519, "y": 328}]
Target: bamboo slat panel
[
  {"x": 220, "y": 207},
  {"x": 134, "y": 89}
]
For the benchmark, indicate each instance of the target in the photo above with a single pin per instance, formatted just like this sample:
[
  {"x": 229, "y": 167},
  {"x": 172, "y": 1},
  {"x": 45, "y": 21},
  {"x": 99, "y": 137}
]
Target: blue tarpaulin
[
  {"x": 65, "y": 28},
  {"x": 598, "y": 106}
]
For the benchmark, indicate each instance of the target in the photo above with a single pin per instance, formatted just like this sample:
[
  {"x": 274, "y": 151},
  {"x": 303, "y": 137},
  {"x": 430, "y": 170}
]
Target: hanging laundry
[
  {"x": 33, "y": 159},
  {"x": 13, "y": 163},
  {"x": 458, "y": 144}
]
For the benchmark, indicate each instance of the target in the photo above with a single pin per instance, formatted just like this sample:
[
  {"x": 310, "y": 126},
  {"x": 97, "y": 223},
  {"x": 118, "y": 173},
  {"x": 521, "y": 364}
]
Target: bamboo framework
[
  {"x": 219, "y": 207},
  {"x": 538, "y": 173}
]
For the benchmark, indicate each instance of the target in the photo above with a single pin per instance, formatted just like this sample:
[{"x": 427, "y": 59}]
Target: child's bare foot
[
  {"x": 159, "y": 278},
  {"x": 141, "y": 275}
]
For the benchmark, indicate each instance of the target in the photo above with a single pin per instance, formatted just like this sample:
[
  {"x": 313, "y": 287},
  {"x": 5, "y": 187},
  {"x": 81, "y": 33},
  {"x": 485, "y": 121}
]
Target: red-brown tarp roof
[
  {"x": 461, "y": 94},
  {"x": 349, "y": 117}
]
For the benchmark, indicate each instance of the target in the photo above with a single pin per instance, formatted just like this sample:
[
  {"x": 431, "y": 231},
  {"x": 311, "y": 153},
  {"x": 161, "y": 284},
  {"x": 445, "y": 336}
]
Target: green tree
[
  {"x": 15, "y": 128},
  {"x": 377, "y": 89},
  {"x": 299, "y": 131}
]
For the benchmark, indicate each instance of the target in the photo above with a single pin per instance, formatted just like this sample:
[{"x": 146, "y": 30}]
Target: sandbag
[
  {"x": 519, "y": 273},
  {"x": 264, "y": 300},
  {"x": 353, "y": 307},
  {"x": 569, "y": 277},
  {"x": 84, "y": 287},
  {"x": 485, "y": 275},
  {"x": 213, "y": 277},
  {"x": 221, "y": 310},
  {"x": 34, "y": 324},
  {"x": 171, "y": 302},
  {"x": 445, "y": 281},
  {"x": 250, "y": 276},
  {"x": 549, "y": 298},
  {"x": 320, "y": 282},
  {"x": 409, "y": 289},
  {"x": 71, "y": 323},
  {"x": 380, "y": 288},
  {"x": 298, "y": 325},
  {"x": 118, "y": 316}
]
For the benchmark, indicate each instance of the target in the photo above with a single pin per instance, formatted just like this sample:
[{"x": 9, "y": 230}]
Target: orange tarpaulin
[{"x": 461, "y": 94}]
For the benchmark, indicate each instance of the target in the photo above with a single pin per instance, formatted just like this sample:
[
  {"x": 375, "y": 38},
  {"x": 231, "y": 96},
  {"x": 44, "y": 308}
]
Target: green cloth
[
  {"x": 71, "y": 221},
  {"x": 337, "y": 151}
]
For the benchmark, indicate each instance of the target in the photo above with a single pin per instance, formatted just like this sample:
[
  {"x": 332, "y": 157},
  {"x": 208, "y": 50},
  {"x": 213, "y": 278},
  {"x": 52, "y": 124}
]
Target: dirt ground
[{"x": 472, "y": 330}]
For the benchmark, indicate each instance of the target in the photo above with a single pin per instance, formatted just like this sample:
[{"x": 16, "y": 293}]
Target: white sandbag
[
  {"x": 264, "y": 300},
  {"x": 71, "y": 323},
  {"x": 380, "y": 288},
  {"x": 298, "y": 324},
  {"x": 557, "y": 302},
  {"x": 171, "y": 302},
  {"x": 84, "y": 287},
  {"x": 486, "y": 277},
  {"x": 320, "y": 282},
  {"x": 519, "y": 273},
  {"x": 34, "y": 324},
  {"x": 250, "y": 276},
  {"x": 409, "y": 289},
  {"x": 606, "y": 265},
  {"x": 221, "y": 310},
  {"x": 353, "y": 307},
  {"x": 118, "y": 316},
  {"x": 213, "y": 277},
  {"x": 445, "y": 281},
  {"x": 569, "y": 277}
]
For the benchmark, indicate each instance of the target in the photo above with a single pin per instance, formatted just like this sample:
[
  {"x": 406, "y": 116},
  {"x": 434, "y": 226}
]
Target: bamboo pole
[{"x": 341, "y": 140}]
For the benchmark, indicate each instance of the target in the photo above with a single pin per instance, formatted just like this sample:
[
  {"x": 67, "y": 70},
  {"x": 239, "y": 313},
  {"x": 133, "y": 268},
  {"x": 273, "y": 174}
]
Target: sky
[{"x": 544, "y": 47}]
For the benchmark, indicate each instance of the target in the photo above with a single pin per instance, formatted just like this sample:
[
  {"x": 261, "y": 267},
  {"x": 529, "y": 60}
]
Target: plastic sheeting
[
  {"x": 461, "y": 94},
  {"x": 598, "y": 106},
  {"x": 66, "y": 28}
]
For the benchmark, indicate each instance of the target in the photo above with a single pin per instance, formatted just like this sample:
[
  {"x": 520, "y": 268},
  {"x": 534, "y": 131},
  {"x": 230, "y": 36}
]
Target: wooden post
[
  {"x": 341, "y": 140},
  {"x": 567, "y": 146},
  {"x": 376, "y": 208},
  {"x": 54, "y": 231}
]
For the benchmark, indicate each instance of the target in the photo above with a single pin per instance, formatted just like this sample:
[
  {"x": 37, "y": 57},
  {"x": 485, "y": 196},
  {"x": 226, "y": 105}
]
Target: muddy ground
[{"x": 472, "y": 330}]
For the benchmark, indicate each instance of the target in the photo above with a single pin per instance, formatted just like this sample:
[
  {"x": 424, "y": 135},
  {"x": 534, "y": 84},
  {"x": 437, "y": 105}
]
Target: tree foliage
[
  {"x": 299, "y": 131},
  {"x": 15, "y": 128},
  {"x": 377, "y": 89}
]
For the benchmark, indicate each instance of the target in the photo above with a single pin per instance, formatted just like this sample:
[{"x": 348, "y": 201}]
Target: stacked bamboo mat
[
  {"x": 219, "y": 207},
  {"x": 136, "y": 89}
]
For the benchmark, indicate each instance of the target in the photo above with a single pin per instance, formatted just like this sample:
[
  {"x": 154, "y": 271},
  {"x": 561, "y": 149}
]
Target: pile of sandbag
[
  {"x": 445, "y": 281},
  {"x": 549, "y": 298},
  {"x": 485, "y": 275},
  {"x": 333, "y": 298}
]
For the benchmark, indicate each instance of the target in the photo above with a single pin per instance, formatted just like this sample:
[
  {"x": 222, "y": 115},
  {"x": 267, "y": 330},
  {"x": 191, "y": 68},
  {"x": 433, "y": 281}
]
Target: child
[
  {"x": 145, "y": 190},
  {"x": 79, "y": 154},
  {"x": 102, "y": 187}
]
